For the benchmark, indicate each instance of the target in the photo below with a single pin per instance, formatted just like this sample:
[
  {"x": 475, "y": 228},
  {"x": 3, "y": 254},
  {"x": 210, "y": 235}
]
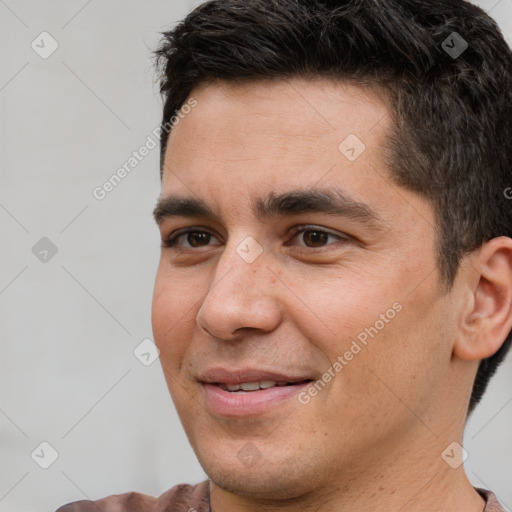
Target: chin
[{"x": 282, "y": 478}]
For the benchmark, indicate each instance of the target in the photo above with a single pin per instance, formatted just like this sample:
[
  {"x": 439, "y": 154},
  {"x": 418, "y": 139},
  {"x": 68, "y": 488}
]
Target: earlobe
[{"x": 488, "y": 322}]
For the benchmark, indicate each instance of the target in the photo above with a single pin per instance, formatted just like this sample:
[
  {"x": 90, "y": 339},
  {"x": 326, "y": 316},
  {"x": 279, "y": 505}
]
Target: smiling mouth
[
  {"x": 249, "y": 387},
  {"x": 250, "y": 393}
]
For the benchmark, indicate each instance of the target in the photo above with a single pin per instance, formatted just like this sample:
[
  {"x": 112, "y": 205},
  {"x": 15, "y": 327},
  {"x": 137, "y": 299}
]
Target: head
[{"x": 370, "y": 105}]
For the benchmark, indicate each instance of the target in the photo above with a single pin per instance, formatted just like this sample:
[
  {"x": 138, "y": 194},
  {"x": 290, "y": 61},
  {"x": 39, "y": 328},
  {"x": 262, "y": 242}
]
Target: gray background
[{"x": 69, "y": 325}]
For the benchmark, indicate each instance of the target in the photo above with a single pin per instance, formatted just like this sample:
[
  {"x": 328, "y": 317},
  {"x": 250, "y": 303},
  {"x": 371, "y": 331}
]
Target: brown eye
[
  {"x": 315, "y": 238},
  {"x": 189, "y": 239},
  {"x": 198, "y": 238}
]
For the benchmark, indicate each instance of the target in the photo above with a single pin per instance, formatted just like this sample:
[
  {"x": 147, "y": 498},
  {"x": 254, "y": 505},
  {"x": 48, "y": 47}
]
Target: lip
[
  {"x": 237, "y": 376},
  {"x": 236, "y": 405},
  {"x": 224, "y": 403}
]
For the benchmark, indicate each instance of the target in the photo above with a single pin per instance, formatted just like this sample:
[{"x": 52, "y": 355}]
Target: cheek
[
  {"x": 331, "y": 312},
  {"x": 405, "y": 362},
  {"x": 377, "y": 323},
  {"x": 171, "y": 314}
]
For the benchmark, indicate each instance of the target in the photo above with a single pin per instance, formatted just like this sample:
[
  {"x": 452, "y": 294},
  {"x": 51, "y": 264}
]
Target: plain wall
[{"x": 69, "y": 325}]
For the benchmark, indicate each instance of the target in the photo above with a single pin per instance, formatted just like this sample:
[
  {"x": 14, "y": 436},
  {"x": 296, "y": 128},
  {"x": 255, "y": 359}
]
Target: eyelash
[{"x": 171, "y": 241}]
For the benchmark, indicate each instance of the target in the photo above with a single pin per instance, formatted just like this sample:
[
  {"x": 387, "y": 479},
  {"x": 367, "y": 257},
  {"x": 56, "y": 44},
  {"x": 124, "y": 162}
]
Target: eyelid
[{"x": 313, "y": 227}]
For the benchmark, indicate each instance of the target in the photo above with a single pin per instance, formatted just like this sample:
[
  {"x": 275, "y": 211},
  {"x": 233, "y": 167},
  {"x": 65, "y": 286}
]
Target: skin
[{"x": 372, "y": 439}]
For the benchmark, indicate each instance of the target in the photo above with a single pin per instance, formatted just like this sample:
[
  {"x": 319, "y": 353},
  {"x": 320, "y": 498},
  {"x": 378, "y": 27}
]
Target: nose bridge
[
  {"x": 240, "y": 294},
  {"x": 242, "y": 264}
]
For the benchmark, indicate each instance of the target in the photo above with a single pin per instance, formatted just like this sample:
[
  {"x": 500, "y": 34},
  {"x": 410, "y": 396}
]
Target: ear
[{"x": 488, "y": 319}]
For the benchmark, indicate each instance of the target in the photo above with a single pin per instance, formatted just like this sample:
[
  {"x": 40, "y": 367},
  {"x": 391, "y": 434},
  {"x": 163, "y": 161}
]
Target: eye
[
  {"x": 314, "y": 237},
  {"x": 311, "y": 236},
  {"x": 193, "y": 237}
]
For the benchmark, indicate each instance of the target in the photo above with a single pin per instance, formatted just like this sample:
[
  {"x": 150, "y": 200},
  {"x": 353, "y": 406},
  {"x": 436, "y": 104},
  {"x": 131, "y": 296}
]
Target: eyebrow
[{"x": 295, "y": 202}]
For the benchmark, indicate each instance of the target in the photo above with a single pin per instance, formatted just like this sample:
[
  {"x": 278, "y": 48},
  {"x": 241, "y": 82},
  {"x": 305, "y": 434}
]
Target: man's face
[{"x": 347, "y": 298}]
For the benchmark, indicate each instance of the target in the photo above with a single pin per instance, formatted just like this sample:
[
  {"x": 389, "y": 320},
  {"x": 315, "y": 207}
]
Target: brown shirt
[{"x": 187, "y": 498}]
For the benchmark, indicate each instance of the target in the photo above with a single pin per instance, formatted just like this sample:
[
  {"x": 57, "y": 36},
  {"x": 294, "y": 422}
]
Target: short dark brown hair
[{"x": 443, "y": 64}]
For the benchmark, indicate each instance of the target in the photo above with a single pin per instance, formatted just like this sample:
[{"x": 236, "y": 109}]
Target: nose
[{"x": 242, "y": 296}]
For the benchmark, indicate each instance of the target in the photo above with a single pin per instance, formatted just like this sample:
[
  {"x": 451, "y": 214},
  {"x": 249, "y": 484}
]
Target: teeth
[{"x": 251, "y": 386}]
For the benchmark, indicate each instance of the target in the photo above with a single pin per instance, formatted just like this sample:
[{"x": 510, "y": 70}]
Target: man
[{"x": 335, "y": 284}]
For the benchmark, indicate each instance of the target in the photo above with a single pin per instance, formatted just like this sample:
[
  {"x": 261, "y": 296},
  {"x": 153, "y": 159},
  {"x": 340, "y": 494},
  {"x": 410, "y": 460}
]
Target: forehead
[
  {"x": 244, "y": 140},
  {"x": 304, "y": 116}
]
